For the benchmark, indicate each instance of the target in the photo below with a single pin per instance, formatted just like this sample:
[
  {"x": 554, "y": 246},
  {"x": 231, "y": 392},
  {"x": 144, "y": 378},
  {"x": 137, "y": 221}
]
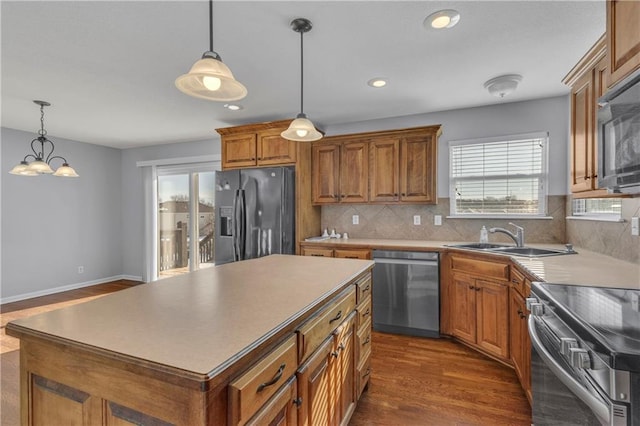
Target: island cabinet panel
[
  {"x": 384, "y": 179},
  {"x": 623, "y": 38},
  {"x": 282, "y": 409},
  {"x": 315, "y": 382}
]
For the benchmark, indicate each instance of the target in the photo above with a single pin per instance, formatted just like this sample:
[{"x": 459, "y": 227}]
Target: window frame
[{"x": 543, "y": 182}]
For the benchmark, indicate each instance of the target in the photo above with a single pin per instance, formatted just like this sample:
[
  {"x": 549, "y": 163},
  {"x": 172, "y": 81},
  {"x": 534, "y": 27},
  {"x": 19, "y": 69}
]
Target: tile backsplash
[{"x": 396, "y": 222}]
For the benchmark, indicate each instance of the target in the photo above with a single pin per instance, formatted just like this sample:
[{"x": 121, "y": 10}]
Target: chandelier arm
[
  {"x": 38, "y": 154},
  {"x": 53, "y": 147},
  {"x": 29, "y": 155},
  {"x": 64, "y": 160}
]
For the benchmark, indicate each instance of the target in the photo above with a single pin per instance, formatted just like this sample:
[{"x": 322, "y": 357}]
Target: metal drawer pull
[
  {"x": 367, "y": 373},
  {"x": 366, "y": 288},
  {"x": 336, "y": 318},
  {"x": 337, "y": 351},
  {"x": 367, "y": 340},
  {"x": 274, "y": 380},
  {"x": 366, "y": 313}
]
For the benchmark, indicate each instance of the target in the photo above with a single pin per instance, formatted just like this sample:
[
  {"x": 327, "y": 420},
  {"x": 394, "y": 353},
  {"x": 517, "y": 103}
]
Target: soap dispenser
[{"x": 484, "y": 235}]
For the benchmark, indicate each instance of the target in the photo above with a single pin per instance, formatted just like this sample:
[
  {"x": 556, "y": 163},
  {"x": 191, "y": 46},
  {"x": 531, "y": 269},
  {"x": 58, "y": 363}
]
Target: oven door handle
[{"x": 599, "y": 408}]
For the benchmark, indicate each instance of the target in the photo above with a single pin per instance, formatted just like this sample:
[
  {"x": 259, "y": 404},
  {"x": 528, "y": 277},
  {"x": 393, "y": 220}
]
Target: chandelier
[{"x": 42, "y": 155}]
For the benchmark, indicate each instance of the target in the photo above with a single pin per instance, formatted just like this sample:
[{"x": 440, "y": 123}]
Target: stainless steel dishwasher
[{"x": 406, "y": 293}]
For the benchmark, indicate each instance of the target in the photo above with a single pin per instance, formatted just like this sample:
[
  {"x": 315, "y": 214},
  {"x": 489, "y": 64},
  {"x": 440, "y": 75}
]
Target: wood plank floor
[{"x": 414, "y": 381}]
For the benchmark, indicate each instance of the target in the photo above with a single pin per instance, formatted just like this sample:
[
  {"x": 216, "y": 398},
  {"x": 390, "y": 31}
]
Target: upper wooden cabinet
[
  {"x": 257, "y": 145},
  {"x": 623, "y": 38},
  {"x": 395, "y": 166},
  {"x": 588, "y": 83}
]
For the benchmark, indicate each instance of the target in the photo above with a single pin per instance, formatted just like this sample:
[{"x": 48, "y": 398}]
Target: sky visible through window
[{"x": 170, "y": 186}]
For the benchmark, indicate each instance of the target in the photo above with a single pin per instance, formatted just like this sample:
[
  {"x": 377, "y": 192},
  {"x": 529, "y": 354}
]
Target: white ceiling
[{"x": 108, "y": 67}]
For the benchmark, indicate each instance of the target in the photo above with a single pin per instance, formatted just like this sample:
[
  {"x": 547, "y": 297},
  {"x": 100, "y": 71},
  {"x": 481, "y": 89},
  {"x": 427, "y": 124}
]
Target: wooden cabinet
[
  {"x": 328, "y": 250},
  {"x": 260, "y": 145},
  {"x": 395, "y": 166},
  {"x": 623, "y": 39},
  {"x": 588, "y": 82},
  {"x": 478, "y": 309},
  {"x": 339, "y": 172},
  {"x": 519, "y": 340}
]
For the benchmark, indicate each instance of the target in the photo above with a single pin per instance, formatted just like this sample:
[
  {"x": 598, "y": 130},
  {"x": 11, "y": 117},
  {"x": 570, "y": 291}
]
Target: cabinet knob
[
  {"x": 403, "y": 194},
  {"x": 477, "y": 288},
  {"x": 471, "y": 287}
]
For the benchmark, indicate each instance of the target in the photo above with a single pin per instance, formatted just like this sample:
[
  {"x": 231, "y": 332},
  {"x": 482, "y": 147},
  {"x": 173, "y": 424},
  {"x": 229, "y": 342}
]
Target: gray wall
[
  {"x": 51, "y": 225},
  {"x": 550, "y": 114},
  {"x": 133, "y": 194}
]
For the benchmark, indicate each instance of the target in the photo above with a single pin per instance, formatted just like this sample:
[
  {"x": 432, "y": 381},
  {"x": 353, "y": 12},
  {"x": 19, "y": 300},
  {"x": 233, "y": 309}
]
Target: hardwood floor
[{"x": 414, "y": 381}]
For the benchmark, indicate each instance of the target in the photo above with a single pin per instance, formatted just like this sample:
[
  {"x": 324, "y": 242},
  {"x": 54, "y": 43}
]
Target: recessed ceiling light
[
  {"x": 442, "y": 19},
  {"x": 377, "y": 82},
  {"x": 233, "y": 107}
]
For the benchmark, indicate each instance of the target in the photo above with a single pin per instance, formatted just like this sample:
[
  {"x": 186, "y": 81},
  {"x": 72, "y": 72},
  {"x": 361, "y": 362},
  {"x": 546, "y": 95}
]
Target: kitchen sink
[
  {"x": 512, "y": 250},
  {"x": 479, "y": 246}
]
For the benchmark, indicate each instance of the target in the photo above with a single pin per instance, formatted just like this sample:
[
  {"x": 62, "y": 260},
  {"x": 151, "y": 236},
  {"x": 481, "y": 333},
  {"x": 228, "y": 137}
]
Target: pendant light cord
[
  {"x": 211, "y": 25},
  {"x": 301, "y": 71}
]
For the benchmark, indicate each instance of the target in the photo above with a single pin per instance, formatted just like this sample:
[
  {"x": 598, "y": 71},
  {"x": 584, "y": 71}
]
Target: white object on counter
[
  {"x": 325, "y": 233},
  {"x": 345, "y": 236},
  {"x": 484, "y": 235}
]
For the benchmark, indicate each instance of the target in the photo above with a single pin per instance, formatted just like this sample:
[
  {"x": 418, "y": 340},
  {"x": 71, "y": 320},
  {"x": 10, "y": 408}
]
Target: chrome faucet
[{"x": 518, "y": 237}]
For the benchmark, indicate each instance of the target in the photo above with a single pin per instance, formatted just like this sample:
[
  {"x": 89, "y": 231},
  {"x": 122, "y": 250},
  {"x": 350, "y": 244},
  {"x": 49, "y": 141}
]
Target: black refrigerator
[{"x": 255, "y": 213}]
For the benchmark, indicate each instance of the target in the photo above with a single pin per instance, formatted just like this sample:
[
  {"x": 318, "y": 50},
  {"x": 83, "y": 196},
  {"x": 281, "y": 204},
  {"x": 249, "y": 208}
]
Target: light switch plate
[
  {"x": 416, "y": 219},
  {"x": 635, "y": 225},
  {"x": 355, "y": 219},
  {"x": 437, "y": 220}
]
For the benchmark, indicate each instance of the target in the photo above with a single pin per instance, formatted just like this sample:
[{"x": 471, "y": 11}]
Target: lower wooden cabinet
[
  {"x": 327, "y": 250},
  {"x": 282, "y": 409},
  {"x": 480, "y": 314}
]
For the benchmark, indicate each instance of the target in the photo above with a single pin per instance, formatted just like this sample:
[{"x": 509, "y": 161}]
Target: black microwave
[{"x": 619, "y": 137}]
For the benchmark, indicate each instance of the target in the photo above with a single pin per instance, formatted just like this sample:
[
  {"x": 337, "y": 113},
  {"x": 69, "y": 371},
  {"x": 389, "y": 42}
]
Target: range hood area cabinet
[
  {"x": 623, "y": 39},
  {"x": 386, "y": 167}
]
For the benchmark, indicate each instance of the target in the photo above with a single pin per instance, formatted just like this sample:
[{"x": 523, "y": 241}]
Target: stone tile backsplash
[{"x": 396, "y": 222}]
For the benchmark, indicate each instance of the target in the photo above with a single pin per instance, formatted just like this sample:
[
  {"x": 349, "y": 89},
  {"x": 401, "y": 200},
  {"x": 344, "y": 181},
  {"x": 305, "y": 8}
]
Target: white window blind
[{"x": 499, "y": 177}]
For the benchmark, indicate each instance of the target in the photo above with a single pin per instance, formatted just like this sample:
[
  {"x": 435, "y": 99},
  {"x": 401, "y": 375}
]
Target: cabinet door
[
  {"x": 418, "y": 169},
  {"x": 325, "y": 173},
  {"x": 354, "y": 172},
  {"x": 383, "y": 173},
  {"x": 492, "y": 316},
  {"x": 623, "y": 38},
  {"x": 515, "y": 332},
  {"x": 239, "y": 151},
  {"x": 582, "y": 135},
  {"x": 273, "y": 149},
  {"x": 343, "y": 370},
  {"x": 314, "y": 387},
  {"x": 463, "y": 307},
  {"x": 56, "y": 403}
]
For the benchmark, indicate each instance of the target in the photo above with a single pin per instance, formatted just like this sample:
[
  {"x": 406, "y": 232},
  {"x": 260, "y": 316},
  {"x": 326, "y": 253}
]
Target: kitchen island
[{"x": 188, "y": 349}]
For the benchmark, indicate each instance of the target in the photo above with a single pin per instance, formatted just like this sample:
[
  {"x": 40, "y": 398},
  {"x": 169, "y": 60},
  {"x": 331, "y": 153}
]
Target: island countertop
[{"x": 200, "y": 322}]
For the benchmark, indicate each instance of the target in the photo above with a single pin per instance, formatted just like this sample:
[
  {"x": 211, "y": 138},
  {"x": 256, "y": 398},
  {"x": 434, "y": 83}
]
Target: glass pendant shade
[
  {"x": 302, "y": 130},
  {"x": 66, "y": 171},
  {"x": 40, "y": 167},
  {"x": 22, "y": 169},
  {"x": 209, "y": 78}
]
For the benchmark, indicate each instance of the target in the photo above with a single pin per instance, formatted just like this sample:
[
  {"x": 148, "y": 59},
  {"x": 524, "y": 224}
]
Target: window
[
  {"x": 608, "y": 209},
  {"x": 499, "y": 176}
]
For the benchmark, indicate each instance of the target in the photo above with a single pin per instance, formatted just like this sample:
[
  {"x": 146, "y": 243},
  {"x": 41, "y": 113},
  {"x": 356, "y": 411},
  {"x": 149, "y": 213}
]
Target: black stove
[{"x": 606, "y": 319}]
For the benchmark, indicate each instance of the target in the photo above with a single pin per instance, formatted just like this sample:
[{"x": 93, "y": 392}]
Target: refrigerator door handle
[
  {"x": 238, "y": 219},
  {"x": 242, "y": 225}
]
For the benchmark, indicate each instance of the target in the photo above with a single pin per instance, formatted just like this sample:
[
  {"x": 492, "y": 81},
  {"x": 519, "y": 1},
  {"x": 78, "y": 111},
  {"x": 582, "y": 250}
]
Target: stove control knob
[
  {"x": 566, "y": 343},
  {"x": 529, "y": 301},
  {"x": 579, "y": 358},
  {"x": 536, "y": 309}
]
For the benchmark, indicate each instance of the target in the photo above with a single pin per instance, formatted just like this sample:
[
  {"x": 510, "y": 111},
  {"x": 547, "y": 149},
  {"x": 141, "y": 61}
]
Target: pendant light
[
  {"x": 301, "y": 129},
  {"x": 209, "y": 78},
  {"x": 41, "y": 163}
]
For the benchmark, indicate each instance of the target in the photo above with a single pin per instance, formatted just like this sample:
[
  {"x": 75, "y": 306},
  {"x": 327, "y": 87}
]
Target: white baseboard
[{"x": 67, "y": 288}]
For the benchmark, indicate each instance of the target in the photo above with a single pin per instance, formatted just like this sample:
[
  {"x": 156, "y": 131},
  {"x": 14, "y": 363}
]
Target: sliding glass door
[{"x": 185, "y": 219}]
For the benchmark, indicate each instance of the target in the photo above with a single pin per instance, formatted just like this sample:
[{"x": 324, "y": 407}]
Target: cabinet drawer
[
  {"x": 353, "y": 253},
  {"x": 518, "y": 280},
  {"x": 487, "y": 269},
  {"x": 314, "y": 251},
  {"x": 253, "y": 389},
  {"x": 314, "y": 331},
  {"x": 362, "y": 376},
  {"x": 364, "y": 312},
  {"x": 281, "y": 407},
  {"x": 363, "y": 288},
  {"x": 363, "y": 349}
]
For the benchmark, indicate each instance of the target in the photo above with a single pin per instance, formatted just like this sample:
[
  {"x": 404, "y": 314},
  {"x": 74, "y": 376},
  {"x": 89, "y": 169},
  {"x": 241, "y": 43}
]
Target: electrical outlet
[
  {"x": 635, "y": 226},
  {"x": 355, "y": 219},
  {"x": 416, "y": 219},
  {"x": 81, "y": 269},
  {"x": 437, "y": 220}
]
